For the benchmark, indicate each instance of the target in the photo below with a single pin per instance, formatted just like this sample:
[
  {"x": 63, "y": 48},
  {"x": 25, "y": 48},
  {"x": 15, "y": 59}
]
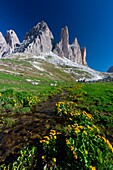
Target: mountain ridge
[{"x": 40, "y": 39}]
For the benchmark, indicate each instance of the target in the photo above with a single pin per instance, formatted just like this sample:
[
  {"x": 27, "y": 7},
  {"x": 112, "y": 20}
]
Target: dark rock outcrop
[{"x": 110, "y": 70}]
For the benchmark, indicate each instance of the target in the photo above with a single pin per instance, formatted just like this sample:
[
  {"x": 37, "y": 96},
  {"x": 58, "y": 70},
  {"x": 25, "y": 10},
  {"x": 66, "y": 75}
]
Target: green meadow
[{"x": 62, "y": 126}]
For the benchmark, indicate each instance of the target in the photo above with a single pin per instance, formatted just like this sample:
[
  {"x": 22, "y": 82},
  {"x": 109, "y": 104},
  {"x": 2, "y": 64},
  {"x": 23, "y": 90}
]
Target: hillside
[
  {"x": 21, "y": 70},
  {"x": 41, "y": 100}
]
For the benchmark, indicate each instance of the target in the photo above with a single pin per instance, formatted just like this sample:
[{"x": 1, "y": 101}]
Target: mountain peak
[
  {"x": 12, "y": 39},
  {"x": 40, "y": 39}
]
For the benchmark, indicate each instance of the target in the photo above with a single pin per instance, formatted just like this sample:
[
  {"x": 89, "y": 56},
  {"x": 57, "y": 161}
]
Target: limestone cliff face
[
  {"x": 83, "y": 50},
  {"x": 12, "y": 39},
  {"x": 40, "y": 39},
  {"x": 73, "y": 51},
  {"x": 4, "y": 48}
]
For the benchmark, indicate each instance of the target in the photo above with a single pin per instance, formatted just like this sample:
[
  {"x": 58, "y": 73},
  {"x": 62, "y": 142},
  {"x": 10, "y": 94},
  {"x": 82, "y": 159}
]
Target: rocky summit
[
  {"x": 12, "y": 39},
  {"x": 73, "y": 51},
  {"x": 41, "y": 40}
]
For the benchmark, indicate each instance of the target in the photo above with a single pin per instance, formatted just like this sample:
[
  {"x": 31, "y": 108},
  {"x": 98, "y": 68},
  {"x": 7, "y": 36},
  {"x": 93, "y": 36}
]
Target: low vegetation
[
  {"x": 49, "y": 122},
  {"x": 75, "y": 133}
]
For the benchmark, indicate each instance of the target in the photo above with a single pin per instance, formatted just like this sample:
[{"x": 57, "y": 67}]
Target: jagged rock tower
[
  {"x": 40, "y": 39},
  {"x": 12, "y": 39},
  {"x": 73, "y": 51}
]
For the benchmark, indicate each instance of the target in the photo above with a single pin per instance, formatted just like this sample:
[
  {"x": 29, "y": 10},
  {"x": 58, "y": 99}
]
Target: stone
[
  {"x": 4, "y": 48},
  {"x": 73, "y": 51},
  {"x": 64, "y": 41},
  {"x": 83, "y": 50},
  {"x": 110, "y": 70},
  {"x": 38, "y": 39},
  {"x": 12, "y": 39},
  {"x": 76, "y": 55}
]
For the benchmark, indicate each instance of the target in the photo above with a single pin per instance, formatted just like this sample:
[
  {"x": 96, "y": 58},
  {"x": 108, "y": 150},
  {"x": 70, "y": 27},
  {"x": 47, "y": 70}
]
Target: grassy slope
[
  {"x": 94, "y": 98},
  {"x": 14, "y": 74}
]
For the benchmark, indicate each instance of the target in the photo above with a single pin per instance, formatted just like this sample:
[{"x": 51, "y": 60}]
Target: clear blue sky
[{"x": 91, "y": 21}]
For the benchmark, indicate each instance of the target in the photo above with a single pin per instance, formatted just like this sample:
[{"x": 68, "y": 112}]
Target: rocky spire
[
  {"x": 73, "y": 51},
  {"x": 38, "y": 39},
  {"x": 64, "y": 41},
  {"x": 83, "y": 50},
  {"x": 12, "y": 39}
]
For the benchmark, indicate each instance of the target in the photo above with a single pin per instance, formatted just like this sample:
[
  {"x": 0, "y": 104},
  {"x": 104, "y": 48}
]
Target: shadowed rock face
[
  {"x": 110, "y": 70},
  {"x": 12, "y": 39}
]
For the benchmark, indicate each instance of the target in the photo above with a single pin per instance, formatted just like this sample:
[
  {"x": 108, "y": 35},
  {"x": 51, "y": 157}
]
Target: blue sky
[{"x": 91, "y": 21}]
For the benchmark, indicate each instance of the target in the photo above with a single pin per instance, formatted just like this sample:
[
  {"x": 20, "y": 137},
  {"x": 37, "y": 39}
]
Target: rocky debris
[
  {"x": 12, "y": 39},
  {"x": 4, "y": 48},
  {"x": 73, "y": 51},
  {"x": 38, "y": 39},
  {"x": 110, "y": 70}
]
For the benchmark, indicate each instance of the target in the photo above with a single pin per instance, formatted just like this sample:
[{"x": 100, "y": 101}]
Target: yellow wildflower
[
  {"x": 89, "y": 127},
  {"x": 0, "y": 94},
  {"x": 108, "y": 143},
  {"x": 72, "y": 148},
  {"x": 67, "y": 141},
  {"x": 42, "y": 141},
  {"x": 86, "y": 152},
  {"x": 93, "y": 168},
  {"x": 55, "y": 137},
  {"x": 81, "y": 127},
  {"x": 75, "y": 155},
  {"x": 58, "y": 133},
  {"x": 52, "y": 132},
  {"x": 85, "y": 132},
  {"x": 47, "y": 137},
  {"x": 77, "y": 130},
  {"x": 54, "y": 159},
  {"x": 87, "y": 115},
  {"x": 96, "y": 128},
  {"x": 43, "y": 157}
]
